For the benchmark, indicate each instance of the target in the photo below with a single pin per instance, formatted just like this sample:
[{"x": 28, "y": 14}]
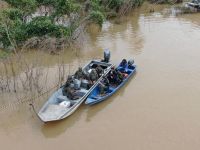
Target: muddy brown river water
[{"x": 159, "y": 109}]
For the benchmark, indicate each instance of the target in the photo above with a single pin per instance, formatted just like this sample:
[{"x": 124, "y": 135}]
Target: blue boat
[{"x": 95, "y": 96}]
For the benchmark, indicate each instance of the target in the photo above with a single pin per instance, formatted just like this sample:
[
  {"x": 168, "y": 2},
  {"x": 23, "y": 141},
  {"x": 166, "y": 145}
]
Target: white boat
[{"x": 60, "y": 106}]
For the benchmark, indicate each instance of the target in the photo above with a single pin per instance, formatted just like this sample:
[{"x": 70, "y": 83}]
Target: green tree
[
  {"x": 115, "y": 4},
  {"x": 40, "y": 26},
  {"x": 12, "y": 31},
  {"x": 47, "y": 2},
  {"x": 28, "y": 6},
  {"x": 97, "y": 17},
  {"x": 66, "y": 7},
  {"x": 43, "y": 25},
  {"x": 15, "y": 28}
]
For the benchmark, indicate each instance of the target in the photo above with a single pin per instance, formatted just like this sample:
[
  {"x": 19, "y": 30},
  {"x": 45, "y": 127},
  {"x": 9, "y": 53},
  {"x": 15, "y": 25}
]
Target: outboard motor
[
  {"x": 106, "y": 56},
  {"x": 130, "y": 62}
]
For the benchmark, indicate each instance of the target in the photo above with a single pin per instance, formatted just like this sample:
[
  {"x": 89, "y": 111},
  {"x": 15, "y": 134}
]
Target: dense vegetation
[
  {"x": 166, "y": 1},
  {"x": 36, "y": 20}
]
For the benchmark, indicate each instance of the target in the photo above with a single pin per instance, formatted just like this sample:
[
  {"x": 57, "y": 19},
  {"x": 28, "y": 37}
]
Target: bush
[
  {"x": 65, "y": 7},
  {"x": 46, "y": 2},
  {"x": 11, "y": 27},
  {"x": 115, "y": 4},
  {"x": 41, "y": 26},
  {"x": 28, "y": 6},
  {"x": 97, "y": 17},
  {"x": 13, "y": 13}
]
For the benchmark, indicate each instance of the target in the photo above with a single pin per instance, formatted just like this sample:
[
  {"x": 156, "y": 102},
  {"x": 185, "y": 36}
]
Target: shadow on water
[
  {"x": 93, "y": 110},
  {"x": 54, "y": 129}
]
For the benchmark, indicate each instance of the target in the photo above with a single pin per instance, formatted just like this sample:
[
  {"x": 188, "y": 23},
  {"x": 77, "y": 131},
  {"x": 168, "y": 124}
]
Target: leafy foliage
[
  {"x": 46, "y": 2},
  {"x": 97, "y": 17},
  {"x": 41, "y": 26},
  {"x": 115, "y": 4},
  {"x": 137, "y": 2},
  {"x": 28, "y": 6},
  {"x": 11, "y": 27},
  {"x": 13, "y": 13},
  {"x": 17, "y": 24},
  {"x": 65, "y": 7},
  {"x": 95, "y": 5}
]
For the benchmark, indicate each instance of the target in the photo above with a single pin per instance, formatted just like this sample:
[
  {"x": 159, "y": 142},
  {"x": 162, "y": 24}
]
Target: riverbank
[
  {"x": 42, "y": 29},
  {"x": 54, "y": 25}
]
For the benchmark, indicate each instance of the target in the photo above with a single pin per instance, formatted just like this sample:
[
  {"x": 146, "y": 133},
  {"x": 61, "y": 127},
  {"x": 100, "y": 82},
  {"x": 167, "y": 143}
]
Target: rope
[
  {"x": 28, "y": 100},
  {"x": 24, "y": 100}
]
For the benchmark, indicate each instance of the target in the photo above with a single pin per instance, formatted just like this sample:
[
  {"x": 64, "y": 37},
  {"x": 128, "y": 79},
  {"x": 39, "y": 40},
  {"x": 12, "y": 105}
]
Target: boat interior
[
  {"x": 58, "y": 100},
  {"x": 96, "y": 93},
  {"x": 59, "y": 105}
]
